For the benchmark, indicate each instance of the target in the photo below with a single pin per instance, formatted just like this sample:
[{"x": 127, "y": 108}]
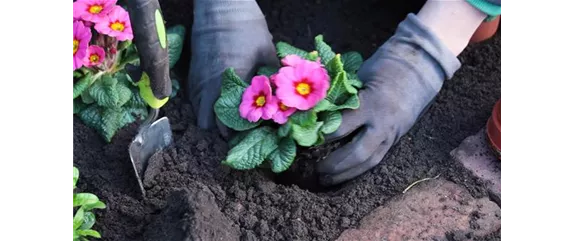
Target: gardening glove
[
  {"x": 226, "y": 33},
  {"x": 400, "y": 81}
]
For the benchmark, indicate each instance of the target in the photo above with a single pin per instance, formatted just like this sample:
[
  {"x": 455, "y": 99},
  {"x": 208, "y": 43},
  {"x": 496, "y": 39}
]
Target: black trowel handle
[{"x": 151, "y": 43}]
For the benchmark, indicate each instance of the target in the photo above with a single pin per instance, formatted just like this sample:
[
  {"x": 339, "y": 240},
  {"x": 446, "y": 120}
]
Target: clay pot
[
  {"x": 485, "y": 31},
  {"x": 493, "y": 129}
]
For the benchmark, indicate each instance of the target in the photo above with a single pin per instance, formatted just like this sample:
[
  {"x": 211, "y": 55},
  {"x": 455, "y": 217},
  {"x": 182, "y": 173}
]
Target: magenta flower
[
  {"x": 283, "y": 113},
  {"x": 116, "y": 24},
  {"x": 93, "y": 10},
  {"x": 95, "y": 56},
  {"x": 294, "y": 60},
  {"x": 257, "y": 101},
  {"x": 82, "y": 36},
  {"x": 302, "y": 86}
]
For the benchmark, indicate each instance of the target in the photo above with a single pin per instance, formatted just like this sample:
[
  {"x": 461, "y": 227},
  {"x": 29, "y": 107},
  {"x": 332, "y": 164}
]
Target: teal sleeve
[{"x": 490, "y": 7}]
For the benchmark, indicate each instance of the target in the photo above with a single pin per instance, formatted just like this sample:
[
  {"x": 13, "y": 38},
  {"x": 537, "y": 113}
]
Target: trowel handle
[{"x": 151, "y": 43}]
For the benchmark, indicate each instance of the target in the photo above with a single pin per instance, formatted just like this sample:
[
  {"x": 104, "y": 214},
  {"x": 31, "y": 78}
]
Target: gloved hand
[
  {"x": 225, "y": 33},
  {"x": 400, "y": 79}
]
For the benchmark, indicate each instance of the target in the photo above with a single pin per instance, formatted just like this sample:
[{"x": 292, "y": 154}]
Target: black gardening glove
[
  {"x": 401, "y": 79},
  {"x": 226, "y": 33}
]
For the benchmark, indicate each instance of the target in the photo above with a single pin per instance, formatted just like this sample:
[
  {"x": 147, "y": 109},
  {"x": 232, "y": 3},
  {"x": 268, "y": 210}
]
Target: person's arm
[{"x": 455, "y": 21}]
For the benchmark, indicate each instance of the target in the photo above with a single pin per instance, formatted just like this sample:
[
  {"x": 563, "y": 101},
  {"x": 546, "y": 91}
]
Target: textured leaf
[
  {"x": 91, "y": 116},
  {"x": 338, "y": 92},
  {"x": 81, "y": 199},
  {"x": 352, "y": 61},
  {"x": 306, "y": 135},
  {"x": 325, "y": 51},
  {"x": 130, "y": 115},
  {"x": 227, "y": 106},
  {"x": 354, "y": 80},
  {"x": 78, "y": 218},
  {"x": 351, "y": 103},
  {"x": 78, "y": 106},
  {"x": 253, "y": 149},
  {"x": 89, "y": 232},
  {"x": 320, "y": 140},
  {"x": 76, "y": 176},
  {"x": 333, "y": 120},
  {"x": 87, "y": 98},
  {"x": 110, "y": 123},
  {"x": 282, "y": 157},
  {"x": 312, "y": 56},
  {"x": 82, "y": 85},
  {"x": 89, "y": 221},
  {"x": 136, "y": 101},
  {"x": 267, "y": 71},
  {"x": 284, "y": 129},
  {"x": 284, "y": 49},
  {"x": 335, "y": 66},
  {"x": 124, "y": 94},
  {"x": 237, "y": 138},
  {"x": 304, "y": 118},
  {"x": 175, "y": 38},
  {"x": 105, "y": 92}
]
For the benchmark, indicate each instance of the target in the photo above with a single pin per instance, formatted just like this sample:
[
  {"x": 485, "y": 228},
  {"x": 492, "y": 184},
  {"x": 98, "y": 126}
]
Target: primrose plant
[
  {"x": 280, "y": 108},
  {"x": 84, "y": 218},
  {"x": 105, "y": 97}
]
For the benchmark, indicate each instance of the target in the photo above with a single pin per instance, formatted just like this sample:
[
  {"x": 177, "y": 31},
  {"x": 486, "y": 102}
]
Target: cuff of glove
[
  {"x": 413, "y": 38},
  {"x": 492, "y": 8},
  {"x": 214, "y": 12}
]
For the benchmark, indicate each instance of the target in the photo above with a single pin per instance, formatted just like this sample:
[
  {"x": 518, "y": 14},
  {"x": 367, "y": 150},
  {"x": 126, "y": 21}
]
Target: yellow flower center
[
  {"x": 94, "y": 58},
  {"x": 95, "y": 9},
  {"x": 283, "y": 107},
  {"x": 117, "y": 26},
  {"x": 76, "y": 45},
  {"x": 303, "y": 88},
  {"x": 260, "y": 101}
]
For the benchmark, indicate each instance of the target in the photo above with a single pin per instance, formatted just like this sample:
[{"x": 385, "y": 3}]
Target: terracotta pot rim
[{"x": 494, "y": 125}]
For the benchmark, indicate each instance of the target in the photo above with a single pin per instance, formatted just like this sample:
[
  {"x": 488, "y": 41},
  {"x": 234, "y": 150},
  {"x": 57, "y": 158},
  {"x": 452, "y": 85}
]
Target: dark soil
[{"x": 193, "y": 196}]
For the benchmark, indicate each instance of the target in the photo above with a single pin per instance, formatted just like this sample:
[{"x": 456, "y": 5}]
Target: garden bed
[{"x": 255, "y": 205}]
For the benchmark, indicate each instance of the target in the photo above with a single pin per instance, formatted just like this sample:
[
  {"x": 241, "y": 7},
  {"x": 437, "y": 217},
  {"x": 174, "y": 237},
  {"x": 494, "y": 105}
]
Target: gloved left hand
[{"x": 400, "y": 79}]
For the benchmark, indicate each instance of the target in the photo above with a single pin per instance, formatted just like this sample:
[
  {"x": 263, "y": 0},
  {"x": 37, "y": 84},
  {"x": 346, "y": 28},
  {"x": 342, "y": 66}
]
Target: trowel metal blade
[{"x": 149, "y": 140}]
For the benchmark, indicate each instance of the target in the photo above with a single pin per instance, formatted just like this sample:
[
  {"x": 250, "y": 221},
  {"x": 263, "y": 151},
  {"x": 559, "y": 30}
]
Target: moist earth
[{"x": 191, "y": 195}]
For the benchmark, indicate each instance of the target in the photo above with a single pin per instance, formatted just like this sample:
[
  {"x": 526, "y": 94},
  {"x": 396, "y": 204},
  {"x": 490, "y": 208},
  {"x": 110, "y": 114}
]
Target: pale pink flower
[
  {"x": 93, "y": 10},
  {"x": 116, "y": 24},
  {"x": 257, "y": 101},
  {"x": 95, "y": 56},
  {"x": 303, "y": 85},
  {"x": 283, "y": 113},
  {"x": 82, "y": 36}
]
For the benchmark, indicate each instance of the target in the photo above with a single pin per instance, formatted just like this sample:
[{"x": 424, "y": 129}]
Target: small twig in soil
[{"x": 422, "y": 180}]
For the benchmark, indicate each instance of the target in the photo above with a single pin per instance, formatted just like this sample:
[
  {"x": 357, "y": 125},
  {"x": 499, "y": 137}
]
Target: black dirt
[{"x": 190, "y": 195}]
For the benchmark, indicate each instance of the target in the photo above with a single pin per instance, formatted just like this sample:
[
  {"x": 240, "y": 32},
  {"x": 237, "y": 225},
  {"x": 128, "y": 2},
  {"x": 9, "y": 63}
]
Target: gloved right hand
[{"x": 225, "y": 33}]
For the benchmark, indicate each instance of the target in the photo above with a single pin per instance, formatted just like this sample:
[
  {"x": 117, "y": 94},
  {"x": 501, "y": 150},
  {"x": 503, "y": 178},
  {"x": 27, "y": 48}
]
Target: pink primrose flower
[
  {"x": 93, "y": 10},
  {"x": 95, "y": 56},
  {"x": 303, "y": 85},
  {"x": 116, "y": 24},
  {"x": 82, "y": 36},
  {"x": 257, "y": 100},
  {"x": 283, "y": 113}
]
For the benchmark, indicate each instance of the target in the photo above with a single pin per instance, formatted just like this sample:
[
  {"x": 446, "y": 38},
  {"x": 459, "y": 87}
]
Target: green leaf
[
  {"x": 76, "y": 176},
  {"x": 78, "y": 218},
  {"x": 320, "y": 140},
  {"x": 174, "y": 88},
  {"x": 105, "y": 93},
  {"x": 237, "y": 138},
  {"x": 82, "y": 85},
  {"x": 89, "y": 232},
  {"x": 306, "y": 135},
  {"x": 284, "y": 49},
  {"x": 124, "y": 94},
  {"x": 78, "y": 106},
  {"x": 335, "y": 66},
  {"x": 338, "y": 91},
  {"x": 312, "y": 56},
  {"x": 352, "y": 61},
  {"x": 91, "y": 116},
  {"x": 136, "y": 101},
  {"x": 227, "y": 106},
  {"x": 89, "y": 220},
  {"x": 96, "y": 205},
  {"x": 284, "y": 129},
  {"x": 87, "y": 98},
  {"x": 253, "y": 149},
  {"x": 351, "y": 103},
  {"x": 110, "y": 123},
  {"x": 333, "y": 120},
  {"x": 354, "y": 80},
  {"x": 282, "y": 157},
  {"x": 81, "y": 199},
  {"x": 304, "y": 118},
  {"x": 130, "y": 115},
  {"x": 267, "y": 71},
  {"x": 325, "y": 51},
  {"x": 175, "y": 38}
]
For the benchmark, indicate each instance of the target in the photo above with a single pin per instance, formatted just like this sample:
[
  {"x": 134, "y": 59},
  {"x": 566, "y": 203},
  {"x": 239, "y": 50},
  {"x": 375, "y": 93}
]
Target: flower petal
[
  {"x": 270, "y": 108},
  {"x": 255, "y": 114}
]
